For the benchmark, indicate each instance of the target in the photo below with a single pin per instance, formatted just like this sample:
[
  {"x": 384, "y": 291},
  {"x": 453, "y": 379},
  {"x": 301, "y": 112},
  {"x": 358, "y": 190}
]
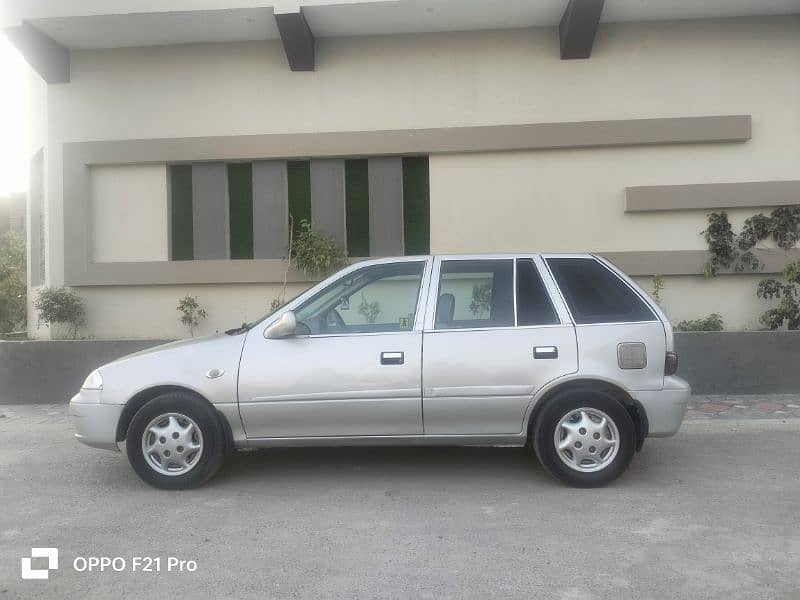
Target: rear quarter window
[{"x": 594, "y": 294}]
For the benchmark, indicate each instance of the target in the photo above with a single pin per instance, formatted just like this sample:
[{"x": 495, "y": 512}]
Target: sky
[{"x": 14, "y": 120}]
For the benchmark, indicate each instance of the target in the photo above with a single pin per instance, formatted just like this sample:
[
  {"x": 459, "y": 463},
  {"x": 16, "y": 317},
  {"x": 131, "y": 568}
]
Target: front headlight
[{"x": 93, "y": 382}]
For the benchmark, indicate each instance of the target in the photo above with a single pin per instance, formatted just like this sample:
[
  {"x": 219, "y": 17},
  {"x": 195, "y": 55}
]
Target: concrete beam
[
  {"x": 47, "y": 57},
  {"x": 578, "y": 27},
  {"x": 297, "y": 38}
]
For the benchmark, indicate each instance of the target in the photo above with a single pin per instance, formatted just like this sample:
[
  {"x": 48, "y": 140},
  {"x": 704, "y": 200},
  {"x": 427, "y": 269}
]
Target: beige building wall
[{"x": 553, "y": 200}]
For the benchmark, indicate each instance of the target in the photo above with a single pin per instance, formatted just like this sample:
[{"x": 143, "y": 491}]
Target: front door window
[{"x": 375, "y": 299}]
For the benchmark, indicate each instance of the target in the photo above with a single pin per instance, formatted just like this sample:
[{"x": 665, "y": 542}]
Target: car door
[
  {"x": 494, "y": 335},
  {"x": 353, "y": 367}
]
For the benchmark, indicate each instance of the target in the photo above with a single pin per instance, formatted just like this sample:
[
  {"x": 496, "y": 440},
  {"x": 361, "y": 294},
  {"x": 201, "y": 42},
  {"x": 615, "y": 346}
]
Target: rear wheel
[
  {"x": 584, "y": 438},
  {"x": 176, "y": 441}
]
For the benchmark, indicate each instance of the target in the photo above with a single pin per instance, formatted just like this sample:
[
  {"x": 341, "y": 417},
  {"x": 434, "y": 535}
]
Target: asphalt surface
[{"x": 710, "y": 513}]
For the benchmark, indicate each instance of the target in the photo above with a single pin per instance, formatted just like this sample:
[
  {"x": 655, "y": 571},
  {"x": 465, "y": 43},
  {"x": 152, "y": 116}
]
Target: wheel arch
[
  {"x": 142, "y": 397},
  {"x": 633, "y": 406}
]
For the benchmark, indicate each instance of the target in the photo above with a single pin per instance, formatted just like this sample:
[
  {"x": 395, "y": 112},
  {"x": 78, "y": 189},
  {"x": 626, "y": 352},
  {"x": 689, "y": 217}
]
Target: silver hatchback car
[{"x": 562, "y": 352}]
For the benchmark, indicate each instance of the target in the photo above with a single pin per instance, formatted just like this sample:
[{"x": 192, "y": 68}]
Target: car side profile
[{"x": 562, "y": 352}]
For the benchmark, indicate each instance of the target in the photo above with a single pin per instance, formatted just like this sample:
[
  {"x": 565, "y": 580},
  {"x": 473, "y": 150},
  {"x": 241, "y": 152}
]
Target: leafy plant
[
  {"x": 658, "y": 287},
  {"x": 60, "y": 305},
  {"x": 191, "y": 312},
  {"x": 314, "y": 253},
  {"x": 788, "y": 292},
  {"x": 712, "y": 322},
  {"x": 729, "y": 250},
  {"x": 481, "y": 299},
  {"x": 370, "y": 310},
  {"x": 13, "y": 287}
]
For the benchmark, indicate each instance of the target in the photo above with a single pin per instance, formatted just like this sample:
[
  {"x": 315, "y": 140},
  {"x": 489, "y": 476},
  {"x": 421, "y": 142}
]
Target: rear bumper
[
  {"x": 95, "y": 424},
  {"x": 666, "y": 407}
]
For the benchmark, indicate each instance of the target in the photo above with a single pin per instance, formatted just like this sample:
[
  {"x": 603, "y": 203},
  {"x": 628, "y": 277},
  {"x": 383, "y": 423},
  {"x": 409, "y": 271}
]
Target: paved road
[{"x": 711, "y": 513}]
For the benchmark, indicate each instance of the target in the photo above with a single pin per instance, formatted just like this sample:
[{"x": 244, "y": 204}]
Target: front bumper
[
  {"x": 95, "y": 423},
  {"x": 666, "y": 407}
]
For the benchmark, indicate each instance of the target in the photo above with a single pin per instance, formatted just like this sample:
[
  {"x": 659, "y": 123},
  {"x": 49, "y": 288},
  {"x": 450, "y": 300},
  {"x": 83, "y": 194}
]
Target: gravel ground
[{"x": 710, "y": 513}]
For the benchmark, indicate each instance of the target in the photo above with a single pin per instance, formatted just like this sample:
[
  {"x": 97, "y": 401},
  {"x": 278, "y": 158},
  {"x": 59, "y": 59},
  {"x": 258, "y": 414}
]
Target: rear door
[{"x": 495, "y": 333}]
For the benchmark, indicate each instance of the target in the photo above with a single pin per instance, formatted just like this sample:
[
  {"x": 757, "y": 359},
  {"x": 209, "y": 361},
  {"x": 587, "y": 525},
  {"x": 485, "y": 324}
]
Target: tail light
[{"x": 671, "y": 363}]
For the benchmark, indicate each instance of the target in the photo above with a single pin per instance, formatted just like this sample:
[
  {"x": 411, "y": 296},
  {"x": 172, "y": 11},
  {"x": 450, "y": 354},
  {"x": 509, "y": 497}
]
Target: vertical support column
[
  {"x": 210, "y": 211},
  {"x": 270, "y": 209},
  {"x": 36, "y": 249},
  {"x": 385, "y": 206},
  {"x": 327, "y": 198}
]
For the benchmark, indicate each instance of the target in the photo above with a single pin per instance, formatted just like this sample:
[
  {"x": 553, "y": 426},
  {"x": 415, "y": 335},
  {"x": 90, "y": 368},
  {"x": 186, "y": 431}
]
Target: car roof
[{"x": 476, "y": 256}]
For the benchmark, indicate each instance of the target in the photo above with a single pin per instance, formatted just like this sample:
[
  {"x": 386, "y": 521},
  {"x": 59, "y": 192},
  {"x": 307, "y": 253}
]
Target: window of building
[
  {"x": 533, "y": 302},
  {"x": 381, "y": 298},
  {"x": 596, "y": 295},
  {"x": 475, "y": 293},
  {"x": 380, "y": 211}
]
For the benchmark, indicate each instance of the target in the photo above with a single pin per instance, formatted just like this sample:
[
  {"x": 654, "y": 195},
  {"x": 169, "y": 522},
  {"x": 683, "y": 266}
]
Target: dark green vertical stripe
[
  {"x": 416, "y": 205},
  {"x": 240, "y": 211},
  {"x": 356, "y": 197},
  {"x": 180, "y": 185},
  {"x": 299, "y": 183}
]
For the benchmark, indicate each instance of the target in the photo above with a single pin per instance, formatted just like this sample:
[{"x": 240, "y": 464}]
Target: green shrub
[
  {"x": 13, "y": 287},
  {"x": 788, "y": 292},
  {"x": 60, "y": 305},
  {"x": 712, "y": 322},
  {"x": 314, "y": 253}
]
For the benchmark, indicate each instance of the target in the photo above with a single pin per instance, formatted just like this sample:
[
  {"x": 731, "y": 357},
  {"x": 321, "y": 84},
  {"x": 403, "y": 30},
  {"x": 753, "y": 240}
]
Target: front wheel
[
  {"x": 584, "y": 438},
  {"x": 175, "y": 441}
]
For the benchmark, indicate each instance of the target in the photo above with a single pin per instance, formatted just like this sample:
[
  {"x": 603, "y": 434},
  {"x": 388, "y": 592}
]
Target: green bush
[
  {"x": 788, "y": 293},
  {"x": 13, "y": 287},
  {"x": 60, "y": 305},
  {"x": 712, "y": 322}
]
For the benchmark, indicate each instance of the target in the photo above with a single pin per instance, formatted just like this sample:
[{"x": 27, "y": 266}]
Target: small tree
[
  {"x": 60, "y": 305},
  {"x": 191, "y": 312},
  {"x": 13, "y": 289},
  {"x": 314, "y": 253}
]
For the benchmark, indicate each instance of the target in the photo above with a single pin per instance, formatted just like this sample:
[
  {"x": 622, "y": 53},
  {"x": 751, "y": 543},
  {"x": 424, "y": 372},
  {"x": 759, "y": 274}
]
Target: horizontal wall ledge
[
  {"x": 636, "y": 264},
  {"x": 527, "y": 136},
  {"x": 744, "y": 194},
  {"x": 692, "y": 262}
]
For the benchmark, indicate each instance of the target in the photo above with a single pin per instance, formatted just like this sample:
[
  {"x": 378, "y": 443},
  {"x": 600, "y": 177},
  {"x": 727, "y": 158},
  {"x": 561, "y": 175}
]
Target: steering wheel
[{"x": 334, "y": 321}]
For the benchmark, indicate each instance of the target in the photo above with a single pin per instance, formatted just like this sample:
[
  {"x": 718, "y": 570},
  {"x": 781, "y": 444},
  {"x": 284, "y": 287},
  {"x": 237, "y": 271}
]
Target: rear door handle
[
  {"x": 545, "y": 352},
  {"x": 392, "y": 358}
]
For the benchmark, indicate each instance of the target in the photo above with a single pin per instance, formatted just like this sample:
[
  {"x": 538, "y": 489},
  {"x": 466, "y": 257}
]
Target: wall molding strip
[
  {"x": 692, "y": 262},
  {"x": 79, "y": 156},
  {"x": 744, "y": 194}
]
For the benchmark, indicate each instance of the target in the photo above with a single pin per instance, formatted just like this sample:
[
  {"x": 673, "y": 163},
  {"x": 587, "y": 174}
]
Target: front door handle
[
  {"x": 392, "y": 358},
  {"x": 545, "y": 352}
]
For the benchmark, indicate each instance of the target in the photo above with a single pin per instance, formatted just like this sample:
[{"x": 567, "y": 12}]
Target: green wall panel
[
  {"x": 299, "y": 183},
  {"x": 356, "y": 191},
  {"x": 240, "y": 211},
  {"x": 416, "y": 205},
  {"x": 181, "y": 233}
]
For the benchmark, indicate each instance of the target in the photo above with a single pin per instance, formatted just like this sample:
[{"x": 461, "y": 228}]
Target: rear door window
[
  {"x": 475, "y": 293},
  {"x": 595, "y": 294}
]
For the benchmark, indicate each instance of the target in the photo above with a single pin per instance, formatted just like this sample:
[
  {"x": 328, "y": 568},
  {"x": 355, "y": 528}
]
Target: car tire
[
  {"x": 176, "y": 441},
  {"x": 584, "y": 437}
]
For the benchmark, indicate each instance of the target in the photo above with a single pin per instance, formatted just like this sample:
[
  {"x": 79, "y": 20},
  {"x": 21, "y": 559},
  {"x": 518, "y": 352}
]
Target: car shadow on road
[{"x": 364, "y": 463}]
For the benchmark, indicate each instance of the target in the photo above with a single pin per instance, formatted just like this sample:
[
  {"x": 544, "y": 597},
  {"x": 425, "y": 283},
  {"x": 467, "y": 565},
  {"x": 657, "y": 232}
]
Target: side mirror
[{"x": 283, "y": 327}]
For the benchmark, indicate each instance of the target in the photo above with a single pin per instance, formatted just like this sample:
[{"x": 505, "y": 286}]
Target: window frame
[
  {"x": 657, "y": 315},
  {"x": 553, "y": 293},
  {"x": 308, "y": 295}
]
